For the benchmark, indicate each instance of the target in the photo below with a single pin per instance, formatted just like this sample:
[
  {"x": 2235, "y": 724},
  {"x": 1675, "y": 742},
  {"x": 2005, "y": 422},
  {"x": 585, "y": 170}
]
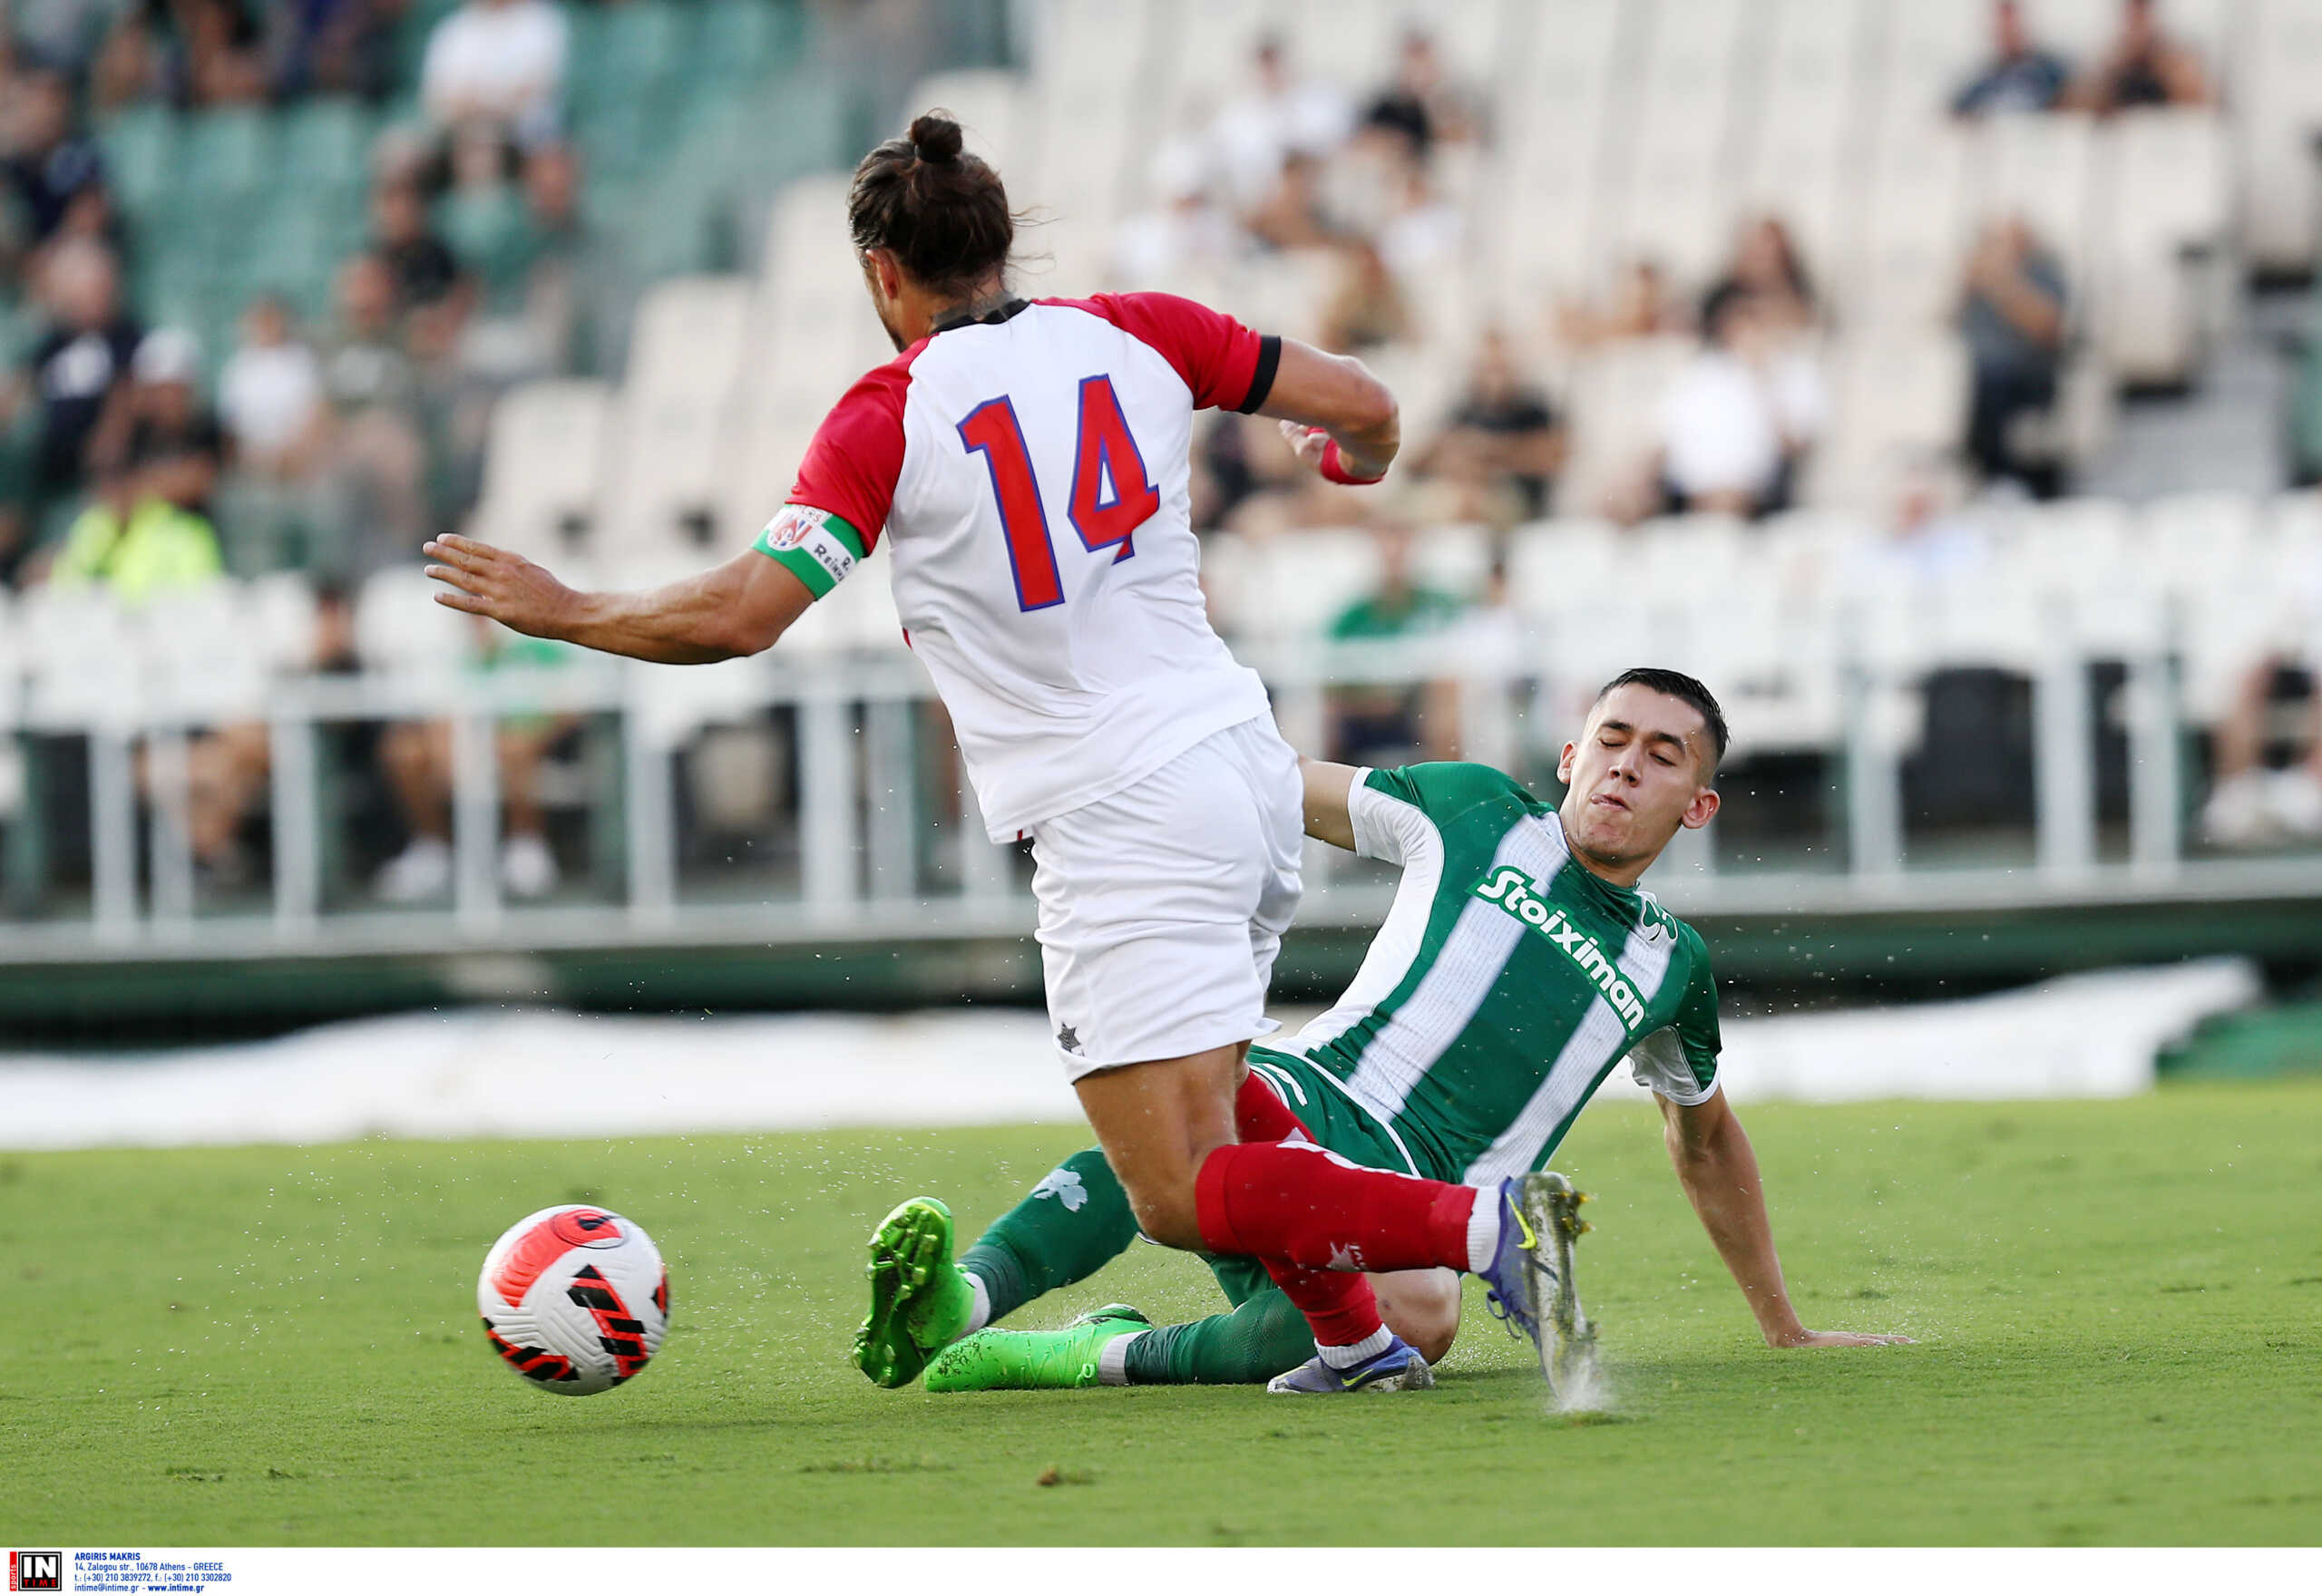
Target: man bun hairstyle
[
  {"x": 1687, "y": 690},
  {"x": 939, "y": 210}
]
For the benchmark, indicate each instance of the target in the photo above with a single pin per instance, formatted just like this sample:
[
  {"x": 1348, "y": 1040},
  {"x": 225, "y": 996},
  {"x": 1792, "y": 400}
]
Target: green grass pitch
[{"x": 2119, "y": 1309}]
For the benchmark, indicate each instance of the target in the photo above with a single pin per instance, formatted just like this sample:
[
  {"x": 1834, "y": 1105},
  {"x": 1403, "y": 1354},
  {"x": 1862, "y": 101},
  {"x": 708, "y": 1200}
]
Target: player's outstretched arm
[
  {"x": 738, "y": 607},
  {"x": 1719, "y": 1172},
  {"x": 1327, "y": 787},
  {"x": 1337, "y": 393}
]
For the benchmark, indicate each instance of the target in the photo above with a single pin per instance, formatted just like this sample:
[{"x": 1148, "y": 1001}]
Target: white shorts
[{"x": 1163, "y": 906}]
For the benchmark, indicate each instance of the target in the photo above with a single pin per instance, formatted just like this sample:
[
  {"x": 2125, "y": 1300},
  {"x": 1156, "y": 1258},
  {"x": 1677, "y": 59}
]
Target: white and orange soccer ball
[{"x": 575, "y": 1299}]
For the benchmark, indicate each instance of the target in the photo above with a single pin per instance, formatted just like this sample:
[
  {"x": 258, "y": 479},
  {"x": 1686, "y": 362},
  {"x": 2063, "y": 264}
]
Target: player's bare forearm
[
  {"x": 1337, "y": 393},
  {"x": 738, "y": 607},
  {"x": 1719, "y": 1170},
  {"x": 1328, "y": 819}
]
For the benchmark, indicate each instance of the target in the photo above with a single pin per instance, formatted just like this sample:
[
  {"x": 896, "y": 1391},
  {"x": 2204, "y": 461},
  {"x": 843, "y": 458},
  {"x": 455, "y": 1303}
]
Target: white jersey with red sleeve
[{"x": 1029, "y": 472}]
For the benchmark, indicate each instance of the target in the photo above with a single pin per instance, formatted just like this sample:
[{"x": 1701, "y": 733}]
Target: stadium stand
[{"x": 622, "y": 387}]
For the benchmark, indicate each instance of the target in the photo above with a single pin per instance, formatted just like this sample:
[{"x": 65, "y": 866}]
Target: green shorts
[{"x": 1335, "y": 1122}]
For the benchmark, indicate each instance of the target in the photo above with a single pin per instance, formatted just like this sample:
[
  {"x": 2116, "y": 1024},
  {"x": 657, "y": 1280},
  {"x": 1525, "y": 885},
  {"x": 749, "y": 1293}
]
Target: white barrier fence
[{"x": 862, "y": 831}]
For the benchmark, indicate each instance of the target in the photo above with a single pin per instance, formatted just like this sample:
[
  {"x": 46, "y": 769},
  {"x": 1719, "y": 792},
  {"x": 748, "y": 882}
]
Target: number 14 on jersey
[{"x": 1105, "y": 457}]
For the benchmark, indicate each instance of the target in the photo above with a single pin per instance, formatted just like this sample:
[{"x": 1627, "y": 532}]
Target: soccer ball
[{"x": 574, "y": 1299}]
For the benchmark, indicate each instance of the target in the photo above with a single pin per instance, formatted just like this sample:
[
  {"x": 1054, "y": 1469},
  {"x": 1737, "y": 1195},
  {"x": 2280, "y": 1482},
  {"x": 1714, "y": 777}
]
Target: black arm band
[{"x": 1262, "y": 379}]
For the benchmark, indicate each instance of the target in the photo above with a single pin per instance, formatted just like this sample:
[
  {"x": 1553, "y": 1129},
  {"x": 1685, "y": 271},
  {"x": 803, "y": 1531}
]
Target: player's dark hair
[
  {"x": 1685, "y": 689},
  {"x": 1718, "y": 307},
  {"x": 941, "y": 210}
]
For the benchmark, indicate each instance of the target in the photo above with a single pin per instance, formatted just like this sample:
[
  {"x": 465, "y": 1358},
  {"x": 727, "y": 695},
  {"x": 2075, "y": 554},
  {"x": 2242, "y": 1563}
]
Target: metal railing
[{"x": 861, "y": 832}]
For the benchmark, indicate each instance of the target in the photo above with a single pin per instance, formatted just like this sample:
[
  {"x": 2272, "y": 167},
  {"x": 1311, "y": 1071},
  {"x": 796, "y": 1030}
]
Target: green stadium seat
[
  {"x": 139, "y": 145},
  {"x": 327, "y": 146},
  {"x": 488, "y": 232},
  {"x": 624, "y": 50},
  {"x": 229, "y": 153},
  {"x": 742, "y": 40}
]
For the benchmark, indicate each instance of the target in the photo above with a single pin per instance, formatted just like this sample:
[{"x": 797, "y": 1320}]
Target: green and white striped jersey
[{"x": 1507, "y": 981}]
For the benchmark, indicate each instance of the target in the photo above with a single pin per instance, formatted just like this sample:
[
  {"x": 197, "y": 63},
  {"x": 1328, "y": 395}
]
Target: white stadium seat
[
  {"x": 686, "y": 362},
  {"x": 2171, "y": 200},
  {"x": 544, "y": 461}
]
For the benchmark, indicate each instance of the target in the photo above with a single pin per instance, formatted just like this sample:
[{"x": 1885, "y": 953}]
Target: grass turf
[{"x": 2119, "y": 1306}]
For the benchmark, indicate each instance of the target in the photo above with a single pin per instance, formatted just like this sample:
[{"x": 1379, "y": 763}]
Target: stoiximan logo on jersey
[{"x": 1519, "y": 895}]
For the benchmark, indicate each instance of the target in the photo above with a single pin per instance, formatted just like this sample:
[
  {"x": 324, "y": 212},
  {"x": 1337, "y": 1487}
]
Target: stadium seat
[
  {"x": 1899, "y": 401},
  {"x": 401, "y": 631},
  {"x": 228, "y": 154},
  {"x": 2157, "y": 250},
  {"x": 741, "y": 40},
  {"x": 1553, "y": 565},
  {"x": 139, "y": 144},
  {"x": 203, "y": 654},
  {"x": 325, "y": 146},
  {"x": 1903, "y": 273},
  {"x": 543, "y": 468},
  {"x": 80, "y": 657},
  {"x": 2278, "y": 98},
  {"x": 2191, "y": 543},
  {"x": 1615, "y": 396},
  {"x": 1298, "y": 582},
  {"x": 686, "y": 359}
]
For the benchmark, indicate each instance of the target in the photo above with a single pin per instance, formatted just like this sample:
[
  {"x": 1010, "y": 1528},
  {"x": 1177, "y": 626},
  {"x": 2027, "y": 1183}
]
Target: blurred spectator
[
  {"x": 424, "y": 269},
  {"x": 498, "y": 61},
  {"x": 221, "y": 49},
  {"x": 1504, "y": 442},
  {"x": 158, "y": 417},
  {"x": 56, "y": 172},
  {"x": 549, "y": 279},
  {"x": 416, "y": 757},
  {"x": 132, "y": 541},
  {"x": 572, "y": 272},
  {"x": 1766, "y": 267},
  {"x": 87, "y": 349},
  {"x": 2252, "y": 803},
  {"x": 61, "y": 34},
  {"x": 2019, "y": 76},
  {"x": 1640, "y": 306},
  {"x": 1930, "y": 542},
  {"x": 376, "y": 505},
  {"x": 1280, "y": 115},
  {"x": 271, "y": 395},
  {"x": 332, "y": 46},
  {"x": 1384, "y": 725},
  {"x": 1422, "y": 234},
  {"x": 1290, "y": 215},
  {"x": 480, "y": 219},
  {"x": 2143, "y": 67},
  {"x": 2011, "y": 315},
  {"x": 1421, "y": 105},
  {"x": 1187, "y": 233},
  {"x": 1740, "y": 417},
  {"x": 1368, "y": 308}
]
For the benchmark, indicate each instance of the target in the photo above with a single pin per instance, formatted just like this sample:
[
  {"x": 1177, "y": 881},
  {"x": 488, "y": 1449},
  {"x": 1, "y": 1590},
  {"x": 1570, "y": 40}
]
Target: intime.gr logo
[{"x": 35, "y": 1570}]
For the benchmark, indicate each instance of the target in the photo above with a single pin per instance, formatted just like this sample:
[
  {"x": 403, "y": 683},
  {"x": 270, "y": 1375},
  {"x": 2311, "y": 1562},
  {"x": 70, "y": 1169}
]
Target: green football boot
[
  {"x": 1568, "y": 1349},
  {"x": 920, "y": 1299},
  {"x": 1034, "y": 1360}
]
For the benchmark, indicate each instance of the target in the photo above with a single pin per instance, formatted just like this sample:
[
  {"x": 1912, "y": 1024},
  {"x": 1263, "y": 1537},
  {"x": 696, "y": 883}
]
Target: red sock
[
  {"x": 1339, "y": 1306},
  {"x": 1295, "y": 1202}
]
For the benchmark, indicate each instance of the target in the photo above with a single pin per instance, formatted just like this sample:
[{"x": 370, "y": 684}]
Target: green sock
[
  {"x": 1263, "y": 1337},
  {"x": 1074, "y": 1222}
]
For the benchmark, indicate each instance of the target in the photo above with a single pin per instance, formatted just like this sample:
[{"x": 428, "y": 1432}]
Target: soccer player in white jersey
[{"x": 1027, "y": 462}]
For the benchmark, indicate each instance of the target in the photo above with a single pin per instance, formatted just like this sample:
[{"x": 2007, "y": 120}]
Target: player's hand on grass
[
  {"x": 505, "y": 586},
  {"x": 1804, "y": 1338}
]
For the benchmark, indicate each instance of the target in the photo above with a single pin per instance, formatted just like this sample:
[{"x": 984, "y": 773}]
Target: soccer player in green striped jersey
[{"x": 1518, "y": 966}]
